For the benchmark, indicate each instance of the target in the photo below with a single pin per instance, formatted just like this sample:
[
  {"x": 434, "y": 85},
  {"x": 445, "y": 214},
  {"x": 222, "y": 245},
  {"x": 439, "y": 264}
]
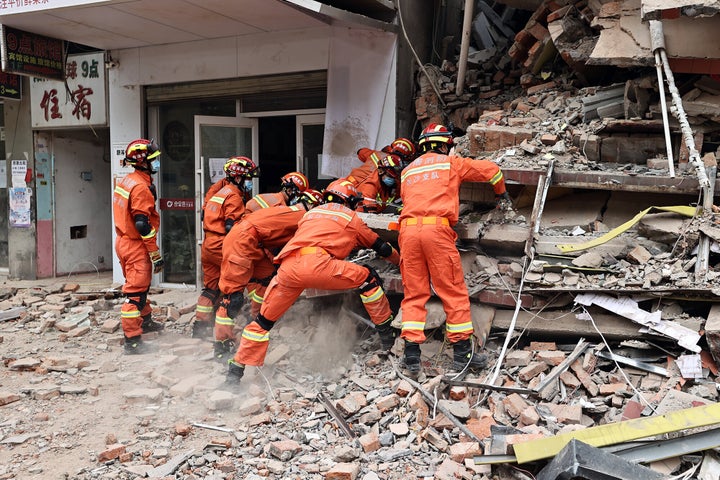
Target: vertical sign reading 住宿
[
  {"x": 30, "y": 54},
  {"x": 79, "y": 101}
]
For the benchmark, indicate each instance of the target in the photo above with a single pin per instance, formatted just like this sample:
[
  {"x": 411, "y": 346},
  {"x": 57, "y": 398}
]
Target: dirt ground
[{"x": 80, "y": 395}]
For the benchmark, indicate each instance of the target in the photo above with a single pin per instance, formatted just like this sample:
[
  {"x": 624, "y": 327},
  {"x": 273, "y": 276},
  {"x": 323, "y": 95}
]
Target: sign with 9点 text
[{"x": 83, "y": 102}]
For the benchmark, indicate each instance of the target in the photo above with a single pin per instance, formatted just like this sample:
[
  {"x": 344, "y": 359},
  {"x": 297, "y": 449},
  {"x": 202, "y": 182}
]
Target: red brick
[
  {"x": 284, "y": 449},
  {"x": 537, "y": 346},
  {"x": 540, "y": 88},
  {"x": 458, "y": 393},
  {"x": 343, "y": 471},
  {"x": 538, "y": 31},
  {"x": 570, "y": 380},
  {"x": 404, "y": 388},
  {"x": 565, "y": 413},
  {"x": 551, "y": 358},
  {"x": 607, "y": 389},
  {"x": 514, "y": 405},
  {"x": 480, "y": 427},
  {"x": 558, "y": 14},
  {"x": 388, "y": 402},
  {"x": 370, "y": 442},
  {"x": 111, "y": 452},
  {"x": 529, "y": 416},
  {"x": 532, "y": 370},
  {"x": 462, "y": 450}
]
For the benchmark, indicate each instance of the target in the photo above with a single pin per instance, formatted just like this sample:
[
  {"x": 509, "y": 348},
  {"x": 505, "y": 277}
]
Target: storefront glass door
[{"x": 217, "y": 139}]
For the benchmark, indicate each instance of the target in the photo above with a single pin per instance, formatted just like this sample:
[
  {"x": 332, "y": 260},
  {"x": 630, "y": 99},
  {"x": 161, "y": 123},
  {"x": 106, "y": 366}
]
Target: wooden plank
[{"x": 614, "y": 433}]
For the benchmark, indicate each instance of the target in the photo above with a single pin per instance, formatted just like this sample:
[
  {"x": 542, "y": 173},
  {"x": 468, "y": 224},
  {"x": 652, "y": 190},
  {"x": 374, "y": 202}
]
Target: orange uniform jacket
[
  {"x": 430, "y": 188},
  {"x": 332, "y": 227},
  {"x": 314, "y": 259},
  {"x": 133, "y": 196},
  {"x": 265, "y": 200},
  {"x": 376, "y": 196},
  {"x": 227, "y": 203},
  {"x": 370, "y": 159},
  {"x": 246, "y": 245}
]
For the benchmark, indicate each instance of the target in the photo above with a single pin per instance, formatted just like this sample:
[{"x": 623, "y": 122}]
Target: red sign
[{"x": 177, "y": 204}]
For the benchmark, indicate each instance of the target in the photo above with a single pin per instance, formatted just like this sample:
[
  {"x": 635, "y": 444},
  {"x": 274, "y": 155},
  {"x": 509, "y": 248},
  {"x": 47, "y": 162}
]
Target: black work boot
[
  {"x": 411, "y": 360},
  {"x": 135, "y": 346},
  {"x": 202, "y": 329},
  {"x": 464, "y": 357},
  {"x": 387, "y": 333},
  {"x": 150, "y": 325},
  {"x": 235, "y": 373},
  {"x": 224, "y": 350}
]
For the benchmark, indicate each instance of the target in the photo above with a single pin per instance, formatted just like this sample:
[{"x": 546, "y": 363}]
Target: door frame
[
  {"x": 214, "y": 121},
  {"x": 300, "y": 121}
]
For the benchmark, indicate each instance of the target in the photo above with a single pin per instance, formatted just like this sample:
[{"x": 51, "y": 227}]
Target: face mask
[
  {"x": 247, "y": 185},
  {"x": 388, "y": 181},
  {"x": 155, "y": 166}
]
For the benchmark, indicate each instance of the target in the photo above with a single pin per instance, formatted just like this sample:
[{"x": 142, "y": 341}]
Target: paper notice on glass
[
  {"x": 3, "y": 173},
  {"x": 215, "y": 165},
  {"x": 19, "y": 202},
  {"x": 18, "y": 172}
]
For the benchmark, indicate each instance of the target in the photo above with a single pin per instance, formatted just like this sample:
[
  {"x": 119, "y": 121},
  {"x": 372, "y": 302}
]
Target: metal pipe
[
  {"x": 464, "y": 47},
  {"x": 656, "y": 34},
  {"x": 666, "y": 122}
]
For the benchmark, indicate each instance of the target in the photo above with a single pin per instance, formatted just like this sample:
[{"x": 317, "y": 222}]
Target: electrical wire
[{"x": 617, "y": 365}]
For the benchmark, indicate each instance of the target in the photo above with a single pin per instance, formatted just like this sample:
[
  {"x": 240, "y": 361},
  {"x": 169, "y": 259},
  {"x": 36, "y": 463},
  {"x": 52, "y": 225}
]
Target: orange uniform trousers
[
  {"x": 309, "y": 267},
  {"x": 241, "y": 269},
  {"x": 428, "y": 253},
  {"x": 137, "y": 270}
]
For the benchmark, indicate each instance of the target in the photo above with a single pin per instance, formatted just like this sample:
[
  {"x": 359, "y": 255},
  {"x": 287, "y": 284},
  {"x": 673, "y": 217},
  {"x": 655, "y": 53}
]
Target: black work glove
[{"x": 234, "y": 304}]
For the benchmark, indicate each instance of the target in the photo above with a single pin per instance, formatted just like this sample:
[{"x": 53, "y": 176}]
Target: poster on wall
[
  {"x": 19, "y": 200},
  {"x": 215, "y": 166}
]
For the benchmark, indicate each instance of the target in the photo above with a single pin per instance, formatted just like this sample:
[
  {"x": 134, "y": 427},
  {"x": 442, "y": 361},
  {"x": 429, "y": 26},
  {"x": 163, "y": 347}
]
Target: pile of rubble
[{"x": 326, "y": 405}]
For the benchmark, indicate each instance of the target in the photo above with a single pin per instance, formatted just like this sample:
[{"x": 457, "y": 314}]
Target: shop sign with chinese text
[
  {"x": 30, "y": 54},
  {"x": 82, "y": 103},
  {"x": 10, "y": 86}
]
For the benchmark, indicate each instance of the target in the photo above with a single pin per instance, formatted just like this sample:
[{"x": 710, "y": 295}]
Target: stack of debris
[{"x": 334, "y": 408}]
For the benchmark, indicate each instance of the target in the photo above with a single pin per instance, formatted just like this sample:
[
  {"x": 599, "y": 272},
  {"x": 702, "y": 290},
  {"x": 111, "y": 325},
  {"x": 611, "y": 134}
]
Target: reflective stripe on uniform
[
  {"x": 149, "y": 235},
  {"x": 122, "y": 192},
  {"x": 496, "y": 178},
  {"x": 374, "y": 297},
  {"x": 256, "y": 337},
  {"x": 459, "y": 328},
  {"x": 219, "y": 200},
  {"x": 129, "y": 313},
  {"x": 224, "y": 320},
  {"x": 417, "y": 326},
  {"x": 424, "y": 169},
  {"x": 261, "y": 202},
  {"x": 316, "y": 211},
  {"x": 204, "y": 308},
  {"x": 254, "y": 297}
]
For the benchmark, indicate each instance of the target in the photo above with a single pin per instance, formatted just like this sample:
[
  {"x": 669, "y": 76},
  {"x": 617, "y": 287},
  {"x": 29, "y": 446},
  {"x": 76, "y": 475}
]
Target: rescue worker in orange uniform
[
  {"x": 136, "y": 226},
  {"x": 291, "y": 184},
  {"x": 430, "y": 192},
  {"x": 314, "y": 258},
  {"x": 247, "y": 258},
  {"x": 381, "y": 187},
  {"x": 221, "y": 210},
  {"x": 401, "y": 147}
]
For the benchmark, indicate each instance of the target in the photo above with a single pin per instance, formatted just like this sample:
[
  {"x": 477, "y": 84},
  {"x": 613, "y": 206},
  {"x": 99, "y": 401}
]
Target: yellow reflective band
[
  {"x": 254, "y": 297},
  {"x": 294, "y": 208},
  {"x": 419, "y": 326},
  {"x": 680, "y": 209},
  {"x": 316, "y": 211},
  {"x": 130, "y": 314},
  {"x": 219, "y": 200},
  {"x": 149, "y": 235},
  {"x": 204, "y": 308},
  {"x": 460, "y": 327},
  {"x": 122, "y": 192},
  {"x": 224, "y": 320},
  {"x": 256, "y": 337},
  {"x": 372, "y": 298},
  {"x": 498, "y": 176},
  {"x": 424, "y": 169},
  {"x": 261, "y": 202}
]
